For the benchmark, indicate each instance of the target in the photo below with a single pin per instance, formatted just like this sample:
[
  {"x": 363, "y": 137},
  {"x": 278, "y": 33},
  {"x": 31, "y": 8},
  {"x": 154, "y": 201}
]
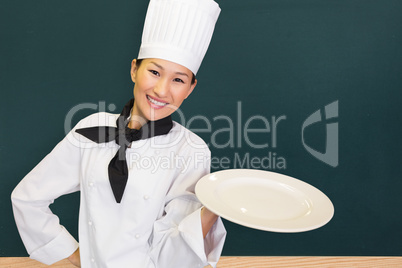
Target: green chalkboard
[{"x": 316, "y": 84}]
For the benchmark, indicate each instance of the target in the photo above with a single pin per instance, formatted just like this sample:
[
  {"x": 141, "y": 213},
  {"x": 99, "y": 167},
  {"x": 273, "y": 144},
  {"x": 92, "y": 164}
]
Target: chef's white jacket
[{"x": 157, "y": 223}]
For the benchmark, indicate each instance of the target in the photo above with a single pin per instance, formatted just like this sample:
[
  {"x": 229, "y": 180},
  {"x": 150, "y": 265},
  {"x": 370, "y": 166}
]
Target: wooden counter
[{"x": 251, "y": 262}]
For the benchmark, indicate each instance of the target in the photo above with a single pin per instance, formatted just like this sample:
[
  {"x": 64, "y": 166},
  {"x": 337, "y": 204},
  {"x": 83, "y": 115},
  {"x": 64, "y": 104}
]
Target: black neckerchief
[{"x": 123, "y": 135}]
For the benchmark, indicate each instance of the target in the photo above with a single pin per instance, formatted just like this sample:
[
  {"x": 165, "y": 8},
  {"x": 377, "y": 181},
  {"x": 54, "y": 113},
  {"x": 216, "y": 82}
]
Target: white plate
[{"x": 264, "y": 200}]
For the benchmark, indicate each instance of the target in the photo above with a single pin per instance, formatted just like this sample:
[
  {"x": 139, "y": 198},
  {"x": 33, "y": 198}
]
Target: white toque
[{"x": 179, "y": 31}]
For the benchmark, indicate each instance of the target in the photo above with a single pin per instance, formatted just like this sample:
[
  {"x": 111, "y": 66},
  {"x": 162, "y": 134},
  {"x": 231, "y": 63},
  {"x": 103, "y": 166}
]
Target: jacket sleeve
[
  {"x": 57, "y": 174},
  {"x": 177, "y": 239}
]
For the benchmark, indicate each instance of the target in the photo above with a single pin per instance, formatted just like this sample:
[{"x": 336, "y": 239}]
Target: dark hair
[{"x": 138, "y": 64}]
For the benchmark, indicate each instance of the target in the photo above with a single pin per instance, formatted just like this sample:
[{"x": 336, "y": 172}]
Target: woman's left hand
[{"x": 208, "y": 219}]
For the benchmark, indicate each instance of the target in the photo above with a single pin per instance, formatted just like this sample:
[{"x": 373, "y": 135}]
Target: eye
[
  {"x": 178, "y": 80},
  {"x": 154, "y": 72}
]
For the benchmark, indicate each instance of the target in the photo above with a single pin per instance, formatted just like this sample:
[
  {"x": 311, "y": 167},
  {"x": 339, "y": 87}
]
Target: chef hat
[{"x": 179, "y": 31}]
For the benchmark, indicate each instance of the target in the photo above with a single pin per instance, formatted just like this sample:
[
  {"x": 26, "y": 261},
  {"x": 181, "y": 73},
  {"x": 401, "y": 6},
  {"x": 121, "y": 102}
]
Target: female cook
[{"x": 136, "y": 171}]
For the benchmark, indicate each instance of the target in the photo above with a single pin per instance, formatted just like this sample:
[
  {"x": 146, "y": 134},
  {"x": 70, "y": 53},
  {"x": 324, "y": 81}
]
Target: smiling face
[{"x": 160, "y": 88}]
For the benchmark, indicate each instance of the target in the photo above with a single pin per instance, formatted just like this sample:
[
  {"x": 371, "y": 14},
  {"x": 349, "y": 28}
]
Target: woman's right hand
[{"x": 75, "y": 258}]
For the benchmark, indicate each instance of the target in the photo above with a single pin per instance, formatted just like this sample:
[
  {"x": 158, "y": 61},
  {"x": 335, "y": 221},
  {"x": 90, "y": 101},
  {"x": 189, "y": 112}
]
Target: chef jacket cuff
[
  {"x": 208, "y": 249},
  {"x": 57, "y": 249}
]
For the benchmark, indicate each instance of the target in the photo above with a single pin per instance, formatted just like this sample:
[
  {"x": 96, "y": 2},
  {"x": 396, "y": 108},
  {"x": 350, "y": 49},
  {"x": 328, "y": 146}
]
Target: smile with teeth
[{"x": 157, "y": 103}]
